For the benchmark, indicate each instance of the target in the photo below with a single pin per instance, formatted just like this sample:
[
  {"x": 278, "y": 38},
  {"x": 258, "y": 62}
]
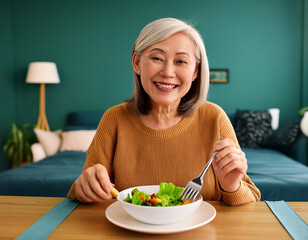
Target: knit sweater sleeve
[
  {"x": 101, "y": 150},
  {"x": 247, "y": 191}
]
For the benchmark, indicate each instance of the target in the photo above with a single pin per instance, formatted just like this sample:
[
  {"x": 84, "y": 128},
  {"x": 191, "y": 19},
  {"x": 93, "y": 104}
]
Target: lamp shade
[{"x": 42, "y": 72}]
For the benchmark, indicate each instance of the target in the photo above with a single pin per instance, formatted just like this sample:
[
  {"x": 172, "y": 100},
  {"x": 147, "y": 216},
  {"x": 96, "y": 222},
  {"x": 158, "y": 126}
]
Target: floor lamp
[{"x": 42, "y": 73}]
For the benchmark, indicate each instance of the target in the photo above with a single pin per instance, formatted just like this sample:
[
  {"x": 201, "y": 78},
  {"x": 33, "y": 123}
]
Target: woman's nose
[{"x": 168, "y": 70}]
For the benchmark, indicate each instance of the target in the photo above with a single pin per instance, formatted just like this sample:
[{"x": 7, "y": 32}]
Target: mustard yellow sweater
[{"x": 135, "y": 155}]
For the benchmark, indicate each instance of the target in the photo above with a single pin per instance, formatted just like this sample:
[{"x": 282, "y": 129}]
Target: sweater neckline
[{"x": 164, "y": 133}]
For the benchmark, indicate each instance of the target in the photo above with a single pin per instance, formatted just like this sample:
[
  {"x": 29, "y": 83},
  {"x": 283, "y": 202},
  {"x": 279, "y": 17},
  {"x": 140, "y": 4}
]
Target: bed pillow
[
  {"x": 252, "y": 127},
  {"x": 50, "y": 141},
  {"x": 77, "y": 140}
]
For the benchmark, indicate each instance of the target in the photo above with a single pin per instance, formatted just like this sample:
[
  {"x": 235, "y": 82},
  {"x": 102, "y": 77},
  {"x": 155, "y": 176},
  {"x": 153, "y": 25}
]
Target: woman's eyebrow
[
  {"x": 161, "y": 50},
  {"x": 185, "y": 53},
  {"x": 157, "y": 49}
]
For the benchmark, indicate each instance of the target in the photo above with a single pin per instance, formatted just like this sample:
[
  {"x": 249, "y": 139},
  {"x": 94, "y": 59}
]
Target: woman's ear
[
  {"x": 136, "y": 62},
  {"x": 196, "y": 72}
]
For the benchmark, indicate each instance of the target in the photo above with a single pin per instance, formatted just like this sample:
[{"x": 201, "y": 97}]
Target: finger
[
  {"x": 241, "y": 163},
  {"x": 220, "y": 162},
  {"x": 89, "y": 192},
  {"x": 85, "y": 194},
  {"x": 227, "y": 159},
  {"x": 218, "y": 145},
  {"x": 233, "y": 166},
  {"x": 104, "y": 181},
  {"x": 90, "y": 185},
  {"x": 81, "y": 193},
  {"x": 226, "y": 151},
  {"x": 98, "y": 193}
]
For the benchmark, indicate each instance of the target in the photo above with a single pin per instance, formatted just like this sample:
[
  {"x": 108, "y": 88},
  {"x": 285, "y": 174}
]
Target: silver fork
[{"x": 194, "y": 186}]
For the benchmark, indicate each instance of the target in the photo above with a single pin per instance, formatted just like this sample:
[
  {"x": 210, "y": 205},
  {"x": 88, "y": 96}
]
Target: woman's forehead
[{"x": 178, "y": 43}]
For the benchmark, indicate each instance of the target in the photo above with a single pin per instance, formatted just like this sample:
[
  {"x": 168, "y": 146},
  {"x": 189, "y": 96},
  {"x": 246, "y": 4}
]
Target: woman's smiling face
[{"x": 167, "y": 69}]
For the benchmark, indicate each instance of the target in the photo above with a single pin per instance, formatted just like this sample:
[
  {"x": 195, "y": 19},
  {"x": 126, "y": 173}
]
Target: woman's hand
[
  {"x": 230, "y": 165},
  {"x": 94, "y": 185}
]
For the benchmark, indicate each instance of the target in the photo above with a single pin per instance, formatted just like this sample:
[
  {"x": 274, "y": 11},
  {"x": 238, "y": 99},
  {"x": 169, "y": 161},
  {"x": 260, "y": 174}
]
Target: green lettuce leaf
[
  {"x": 169, "y": 194},
  {"x": 128, "y": 198},
  {"x": 136, "y": 197}
]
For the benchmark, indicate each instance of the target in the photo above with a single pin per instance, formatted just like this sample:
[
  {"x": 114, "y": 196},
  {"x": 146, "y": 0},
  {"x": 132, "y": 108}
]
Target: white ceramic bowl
[{"x": 156, "y": 215}]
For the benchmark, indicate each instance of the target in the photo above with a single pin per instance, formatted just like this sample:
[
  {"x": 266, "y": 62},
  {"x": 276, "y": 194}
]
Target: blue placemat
[
  {"x": 290, "y": 220},
  {"x": 43, "y": 227}
]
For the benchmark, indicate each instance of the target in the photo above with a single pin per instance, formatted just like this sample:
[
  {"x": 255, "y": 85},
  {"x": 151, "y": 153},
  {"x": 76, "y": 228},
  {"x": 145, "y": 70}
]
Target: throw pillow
[
  {"x": 38, "y": 152},
  {"x": 275, "y": 117},
  {"x": 283, "y": 138},
  {"x": 49, "y": 140},
  {"x": 252, "y": 127},
  {"x": 77, "y": 140}
]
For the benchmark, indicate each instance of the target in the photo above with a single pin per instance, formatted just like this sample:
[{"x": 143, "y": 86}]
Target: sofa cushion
[
  {"x": 283, "y": 138},
  {"x": 252, "y": 127},
  {"x": 277, "y": 176}
]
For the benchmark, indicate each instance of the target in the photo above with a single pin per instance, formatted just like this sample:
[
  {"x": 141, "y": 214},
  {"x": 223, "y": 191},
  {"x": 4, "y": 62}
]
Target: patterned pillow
[
  {"x": 283, "y": 138},
  {"x": 252, "y": 127}
]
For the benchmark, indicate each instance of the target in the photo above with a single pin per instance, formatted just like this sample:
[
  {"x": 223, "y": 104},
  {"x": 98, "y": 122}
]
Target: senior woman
[{"x": 166, "y": 131}]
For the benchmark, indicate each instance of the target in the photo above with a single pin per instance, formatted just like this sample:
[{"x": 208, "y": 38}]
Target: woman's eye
[
  {"x": 156, "y": 58},
  {"x": 181, "y": 62}
]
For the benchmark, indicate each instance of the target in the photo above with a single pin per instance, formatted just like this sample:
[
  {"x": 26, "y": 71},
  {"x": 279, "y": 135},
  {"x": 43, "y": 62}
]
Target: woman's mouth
[{"x": 165, "y": 86}]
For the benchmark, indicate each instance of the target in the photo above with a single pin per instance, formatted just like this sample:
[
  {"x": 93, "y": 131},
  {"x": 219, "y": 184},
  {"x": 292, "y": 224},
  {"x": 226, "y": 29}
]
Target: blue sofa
[{"x": 277, "y": 175}]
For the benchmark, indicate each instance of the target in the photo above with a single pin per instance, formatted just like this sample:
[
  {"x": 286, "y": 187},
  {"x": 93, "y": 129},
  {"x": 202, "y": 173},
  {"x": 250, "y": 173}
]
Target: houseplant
[
  {"x": 17, "y": 144},
  {"x": 302, "y": 111}
]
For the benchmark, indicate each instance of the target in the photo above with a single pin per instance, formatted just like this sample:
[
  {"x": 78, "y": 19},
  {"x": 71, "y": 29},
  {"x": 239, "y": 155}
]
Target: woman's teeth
[{"x": 165, "y": 86}]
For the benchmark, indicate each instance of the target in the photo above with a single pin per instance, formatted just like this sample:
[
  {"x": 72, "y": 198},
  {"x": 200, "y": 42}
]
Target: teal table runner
[
  {"x": 43, "y": 227},
  {"x": 290, "y": 220}
]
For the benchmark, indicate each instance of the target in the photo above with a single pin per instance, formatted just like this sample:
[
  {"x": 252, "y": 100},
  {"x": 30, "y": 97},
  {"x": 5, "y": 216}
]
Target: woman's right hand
[{"x": 93, "y": 185}]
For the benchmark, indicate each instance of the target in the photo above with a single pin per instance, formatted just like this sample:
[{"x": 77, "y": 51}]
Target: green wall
[
  {"x": 305, "y": 54},
  {"x": 7, "y": 85},
  {"x": 260, "y": 42}
]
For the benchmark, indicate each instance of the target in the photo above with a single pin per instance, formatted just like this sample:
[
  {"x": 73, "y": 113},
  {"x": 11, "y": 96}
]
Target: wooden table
[{"x": 88, "y": 221}]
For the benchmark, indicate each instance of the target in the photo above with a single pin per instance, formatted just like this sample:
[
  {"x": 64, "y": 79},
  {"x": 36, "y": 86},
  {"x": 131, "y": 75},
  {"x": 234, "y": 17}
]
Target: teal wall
[
  {"x": 305, "y": 54},
  {"x": 7, "y": 85},
  {"x": 260, "y": 42}
]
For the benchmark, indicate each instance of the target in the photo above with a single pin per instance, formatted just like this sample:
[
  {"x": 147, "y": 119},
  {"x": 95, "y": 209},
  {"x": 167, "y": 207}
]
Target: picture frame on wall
[{"x": 219, "y": 75}]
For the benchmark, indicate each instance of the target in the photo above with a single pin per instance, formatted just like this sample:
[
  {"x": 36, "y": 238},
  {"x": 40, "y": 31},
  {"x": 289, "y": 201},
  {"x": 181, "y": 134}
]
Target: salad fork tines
[{"x": 194, "y": 186}]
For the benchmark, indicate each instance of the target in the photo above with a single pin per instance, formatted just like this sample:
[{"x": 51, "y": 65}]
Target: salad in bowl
[
  {"x": 157, "y": 204},
  {"x": 168, "y": 195}
]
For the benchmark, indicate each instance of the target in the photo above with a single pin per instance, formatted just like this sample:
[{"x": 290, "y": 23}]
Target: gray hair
[{"x": 155, "y": 32}]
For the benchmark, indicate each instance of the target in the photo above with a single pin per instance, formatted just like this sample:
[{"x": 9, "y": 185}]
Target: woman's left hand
[{"x": 230, "y": 165}]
